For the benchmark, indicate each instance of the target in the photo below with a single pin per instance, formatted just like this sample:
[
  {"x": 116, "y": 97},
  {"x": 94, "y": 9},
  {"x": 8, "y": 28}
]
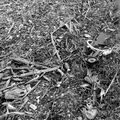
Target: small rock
[
  {"x": 79, "y": 118},
  {"x": 87, "y": 35}
]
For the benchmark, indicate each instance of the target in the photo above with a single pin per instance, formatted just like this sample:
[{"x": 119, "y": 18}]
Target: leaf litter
[{"x": 59, "y": 59}]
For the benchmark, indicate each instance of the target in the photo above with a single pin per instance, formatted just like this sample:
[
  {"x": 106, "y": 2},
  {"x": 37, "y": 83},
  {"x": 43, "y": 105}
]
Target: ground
[{"x": 59, "y": 60}]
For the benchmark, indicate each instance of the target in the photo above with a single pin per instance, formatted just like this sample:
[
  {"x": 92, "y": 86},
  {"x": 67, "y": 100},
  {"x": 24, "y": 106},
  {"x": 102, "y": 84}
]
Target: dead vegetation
[{"x": 59, "y": 60}]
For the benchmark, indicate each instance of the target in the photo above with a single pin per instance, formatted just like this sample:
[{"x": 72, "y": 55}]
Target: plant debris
[{"x": 59, "y": 59}]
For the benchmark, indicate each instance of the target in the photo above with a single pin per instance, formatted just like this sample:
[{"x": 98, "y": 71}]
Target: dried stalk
[
  {"x": 25, "y": 61},
  {"x": 56, "y": 51},
  {"x": 37, "y": 72},
  {"x": 31, "y": 89},
  {"x": 15, "y": 113},
  {"x": 111, "y": 83},
  {"x": 34, "y": 79}
]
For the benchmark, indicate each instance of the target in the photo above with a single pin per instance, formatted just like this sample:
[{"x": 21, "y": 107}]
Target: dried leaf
[
  {"x": 101, "y": 38},
  {"x": 87, "y": 78},
  {"x": 89, "y": 73},
  {"x": 90, "y": 114},
  {"x": 14, "y": 93},
  {"x": 9, "y": 106},
  {"x": 116, "y": 48},
  {"x": 94, "y": 78},
  {"x": 89, "y": 106},
  {"x": 106, "y": 52},
  {"x": 28, "y": 87}
]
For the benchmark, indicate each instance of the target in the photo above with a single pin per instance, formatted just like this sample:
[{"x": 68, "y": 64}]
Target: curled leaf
[{"x": 108, "y": 51}]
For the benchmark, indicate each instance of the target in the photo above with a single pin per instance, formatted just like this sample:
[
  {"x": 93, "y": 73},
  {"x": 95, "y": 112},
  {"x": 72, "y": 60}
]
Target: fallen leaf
[
  {"x": 101, "y": 38},
  {"x": 106, "y": 52},
  {"x": 90, "y": 114},
  {"x": 116, "y": 48},
  {"x": 94, "y": 78},
  {"x": 9, "y": 106},
  {"x": 14, "y": 93},
  {"x": 28, "y": 87}
]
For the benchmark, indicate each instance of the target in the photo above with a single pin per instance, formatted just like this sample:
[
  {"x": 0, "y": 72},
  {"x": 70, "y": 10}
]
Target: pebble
[
  {"x": 79, "y": 118},
  {"x": 87, "y": 35}
]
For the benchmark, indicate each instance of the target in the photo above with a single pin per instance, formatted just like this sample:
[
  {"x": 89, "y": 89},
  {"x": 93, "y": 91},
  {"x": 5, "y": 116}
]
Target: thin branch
[
  {"x": 111, "y": 83},
  {"x": 37, "y": 72},
  {"x": 32, "y": 89},
  {"x": 13, "y": 113},
  {"x": 25, "y": 61}
]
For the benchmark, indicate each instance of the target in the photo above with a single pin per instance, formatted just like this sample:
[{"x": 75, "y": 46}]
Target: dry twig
[{"x": 111, "y": 83}]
